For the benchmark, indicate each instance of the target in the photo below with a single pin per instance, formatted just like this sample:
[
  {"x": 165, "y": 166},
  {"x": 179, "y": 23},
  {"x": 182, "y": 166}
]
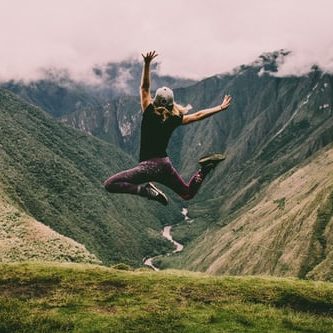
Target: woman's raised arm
[
  {"x": 145, "y": 79},
  {"x": 202, "y": 114}
]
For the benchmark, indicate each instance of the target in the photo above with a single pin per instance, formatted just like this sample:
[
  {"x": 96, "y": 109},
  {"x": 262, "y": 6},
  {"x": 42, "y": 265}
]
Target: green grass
[{"x": 85, "y": 298}]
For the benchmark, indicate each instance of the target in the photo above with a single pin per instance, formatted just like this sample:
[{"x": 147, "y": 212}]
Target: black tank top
[{"x": 155, "y": 133}]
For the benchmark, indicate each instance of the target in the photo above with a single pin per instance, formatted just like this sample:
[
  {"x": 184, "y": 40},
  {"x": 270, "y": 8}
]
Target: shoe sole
[
  {"x": 212, "y": 158},
  {"x": 160, "y": 193}
]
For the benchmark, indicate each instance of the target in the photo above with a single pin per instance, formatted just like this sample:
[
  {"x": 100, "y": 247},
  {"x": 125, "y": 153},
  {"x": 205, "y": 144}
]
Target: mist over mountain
[
  {"x": 123, "y": 78},
  {"x": 59, "y": 94}
]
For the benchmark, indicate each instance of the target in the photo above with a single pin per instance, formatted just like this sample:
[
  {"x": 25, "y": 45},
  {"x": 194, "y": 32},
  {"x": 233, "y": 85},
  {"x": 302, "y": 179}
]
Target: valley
[{"x": 275, "y": 126}]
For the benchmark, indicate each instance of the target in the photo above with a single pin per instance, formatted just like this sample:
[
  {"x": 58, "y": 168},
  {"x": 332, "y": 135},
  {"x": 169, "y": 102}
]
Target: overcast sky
[{"x": 195, "y": 38}]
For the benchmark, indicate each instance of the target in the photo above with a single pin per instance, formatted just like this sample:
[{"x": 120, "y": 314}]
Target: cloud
[
  {"x": 302, "y": 60},
  {"x": 194, "y": 39}
]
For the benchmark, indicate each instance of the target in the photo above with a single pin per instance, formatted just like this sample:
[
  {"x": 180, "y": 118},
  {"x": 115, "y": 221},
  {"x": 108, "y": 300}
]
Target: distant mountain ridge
[{"x": 59, "y": 94}]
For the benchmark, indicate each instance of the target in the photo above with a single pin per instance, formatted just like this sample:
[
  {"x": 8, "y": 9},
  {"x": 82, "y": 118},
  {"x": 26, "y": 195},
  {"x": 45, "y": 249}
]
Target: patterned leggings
[{"x": 158, "y": 170}]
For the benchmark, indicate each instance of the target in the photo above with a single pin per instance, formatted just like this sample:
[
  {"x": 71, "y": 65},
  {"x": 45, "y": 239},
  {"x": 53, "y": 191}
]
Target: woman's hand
[
  {"x": 149, "y": 56},
  {"x": 226, "y": 102}
]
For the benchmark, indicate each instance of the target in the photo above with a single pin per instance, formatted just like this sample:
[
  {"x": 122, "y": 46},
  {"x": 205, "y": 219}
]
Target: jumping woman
[{"x": 161, "y": 115}]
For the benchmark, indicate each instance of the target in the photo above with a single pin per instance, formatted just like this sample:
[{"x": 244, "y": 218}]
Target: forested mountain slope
[{"x": 55, "y": 174}]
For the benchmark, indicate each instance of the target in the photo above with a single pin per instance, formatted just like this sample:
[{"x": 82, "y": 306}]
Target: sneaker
[
  {"x": 154, "y": 193},
  {"x": 209, "y": 162}
]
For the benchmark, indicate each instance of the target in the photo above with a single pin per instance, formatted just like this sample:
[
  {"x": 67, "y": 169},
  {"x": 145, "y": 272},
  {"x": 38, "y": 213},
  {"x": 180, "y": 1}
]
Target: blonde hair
[{"x": 177, "y": 110}]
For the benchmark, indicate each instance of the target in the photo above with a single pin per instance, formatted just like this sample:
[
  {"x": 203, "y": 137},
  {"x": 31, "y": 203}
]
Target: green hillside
[
  {"x": 54, "y": 174},
  {"x": 285, "y": 231},
  {"x": 82, "y": 298},
  {"x": 273, "y": 125},
  {"x": 23, "y": 238}
]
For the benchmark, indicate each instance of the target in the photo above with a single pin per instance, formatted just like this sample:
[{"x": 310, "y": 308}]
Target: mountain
[
  {"x": 267, "y": 112},
  {"x": 105, "y": 106},
  {"x": 117, "y": 122},
  {"x": 43, "y": 297},
  {"x": 23, "y": 238},
  {"x": 54, "y": 174},
  {"x": 275, "y": 124},
  {"x": 285, "y": 231}
]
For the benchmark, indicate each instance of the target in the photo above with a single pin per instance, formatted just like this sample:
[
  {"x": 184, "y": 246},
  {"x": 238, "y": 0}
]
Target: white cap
[{"x": 163, "y": 97}]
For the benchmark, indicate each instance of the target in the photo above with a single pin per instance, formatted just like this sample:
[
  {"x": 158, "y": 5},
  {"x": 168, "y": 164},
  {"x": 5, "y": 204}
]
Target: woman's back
[{"x": 156, "y": 133}]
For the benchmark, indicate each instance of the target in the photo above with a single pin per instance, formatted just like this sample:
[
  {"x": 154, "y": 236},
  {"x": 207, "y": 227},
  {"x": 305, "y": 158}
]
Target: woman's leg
[
  {"x": 129, "y": 181},
  {"x": 174, "y": 181}
]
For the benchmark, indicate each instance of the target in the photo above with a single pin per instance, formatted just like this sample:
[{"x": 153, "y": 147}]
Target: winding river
[{"x": 166, "y": 233}]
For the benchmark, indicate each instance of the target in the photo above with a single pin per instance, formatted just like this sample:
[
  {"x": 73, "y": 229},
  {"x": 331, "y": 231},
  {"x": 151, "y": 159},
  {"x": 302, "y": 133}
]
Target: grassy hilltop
[{"x": 86, "y": 298}]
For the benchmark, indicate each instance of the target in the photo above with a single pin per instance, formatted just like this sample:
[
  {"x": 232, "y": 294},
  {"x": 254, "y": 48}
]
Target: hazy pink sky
[{"x": 195, "y": 38}]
